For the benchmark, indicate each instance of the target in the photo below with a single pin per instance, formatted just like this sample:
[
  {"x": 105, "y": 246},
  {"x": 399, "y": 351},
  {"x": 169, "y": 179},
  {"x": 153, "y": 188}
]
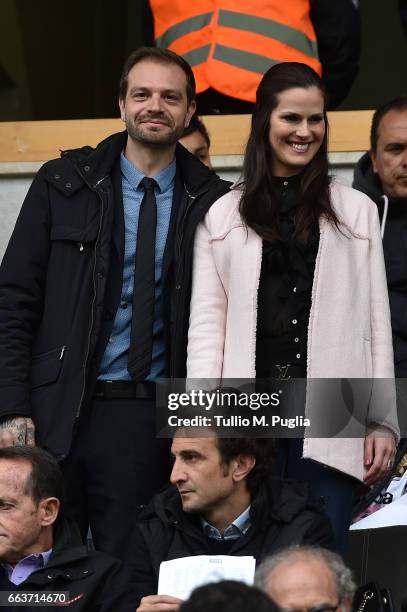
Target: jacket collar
[
  {"x": 366, "y": 180},
  {"x": 193, "y": 173},
  {"x": 95, "y": 164},
  {"x": 68, "y": 548},
  {"x": 277, "y": 499}
]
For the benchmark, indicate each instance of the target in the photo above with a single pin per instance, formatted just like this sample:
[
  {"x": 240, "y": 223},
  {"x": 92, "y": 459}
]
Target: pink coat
[{"x": 349, "y": 332}]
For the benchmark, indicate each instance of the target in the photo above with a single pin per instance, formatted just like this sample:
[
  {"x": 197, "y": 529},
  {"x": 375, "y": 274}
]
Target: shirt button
[
  {"x": 123, "y": 305},
  {"x": 294, "y": 289},
  {"x": 294, "y": 321},
  {"x": 296, "y": 339},
  {"x": 298, "y": 355},
  {"x": 285, "y": 183}
]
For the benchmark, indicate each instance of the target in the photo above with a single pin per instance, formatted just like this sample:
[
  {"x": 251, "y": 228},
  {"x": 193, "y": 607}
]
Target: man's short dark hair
[
  {"x": 262, "y": 449},
  {"x": 236, "y": 442},
  {"x": 46, "y": 478},
  {"x": 397, "y": 104},
  {"x": 196, "y": 125},
  {"x": 228, "y": 596},
  {"x": 163, "y": 56}
]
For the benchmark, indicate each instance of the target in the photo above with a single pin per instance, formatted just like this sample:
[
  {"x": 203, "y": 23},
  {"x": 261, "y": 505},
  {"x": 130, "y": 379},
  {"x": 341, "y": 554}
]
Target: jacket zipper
[
  {"x": 100, "y": 194},
  {"x": 180, "y": 232}
]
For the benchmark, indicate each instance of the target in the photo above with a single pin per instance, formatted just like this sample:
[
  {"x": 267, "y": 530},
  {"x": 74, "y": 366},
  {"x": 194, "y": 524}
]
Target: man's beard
[{"x": 149, "y": 137}]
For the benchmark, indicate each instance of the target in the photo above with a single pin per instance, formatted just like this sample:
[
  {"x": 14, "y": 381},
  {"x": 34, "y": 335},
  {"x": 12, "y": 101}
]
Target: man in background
[
  {"x": 307, "y": 578},
  {"x": 222, "y": 501},
  {"x": 231, "y": 45},
  {"x": 382, "y": 174},
  {"x": 228, "y": 596},
  {"x": 40, "y": 551},
  {"x": 196, "y": 139}
]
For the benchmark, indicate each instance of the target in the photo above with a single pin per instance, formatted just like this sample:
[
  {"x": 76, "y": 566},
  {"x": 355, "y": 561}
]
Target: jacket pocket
[
  {"x": 222, "y": 235},
  {"x": 45, "y": 368},
  {"x": 75, "y": 234}
]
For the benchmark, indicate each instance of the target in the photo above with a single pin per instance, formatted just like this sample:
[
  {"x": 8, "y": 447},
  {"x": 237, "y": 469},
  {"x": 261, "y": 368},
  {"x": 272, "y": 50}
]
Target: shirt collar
[
  {"x": 236, "y": 529},
  {"x": 45, "y": 556},
  {"x": 39, "y": 559},
  {"x": 134, "y": 176}
]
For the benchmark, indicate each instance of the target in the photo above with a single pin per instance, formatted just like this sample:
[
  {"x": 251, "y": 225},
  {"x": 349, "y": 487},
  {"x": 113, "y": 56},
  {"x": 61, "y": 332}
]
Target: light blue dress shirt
[
  {"x": 235, "y": 530},
  {"x": 114, "y": 361},
  {"x": 25, "y": 567}
]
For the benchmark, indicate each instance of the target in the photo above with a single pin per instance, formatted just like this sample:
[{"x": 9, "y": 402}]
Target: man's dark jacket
[
  {"x": 61, "y": 281},
  {"x": 95, "y": 581},
  {"x": 282, "y": 513},
  {"x": 395, "y": 257}
]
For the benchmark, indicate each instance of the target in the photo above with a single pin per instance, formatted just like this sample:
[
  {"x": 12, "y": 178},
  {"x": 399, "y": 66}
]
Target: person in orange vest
[{"x": 230, "y": 50}]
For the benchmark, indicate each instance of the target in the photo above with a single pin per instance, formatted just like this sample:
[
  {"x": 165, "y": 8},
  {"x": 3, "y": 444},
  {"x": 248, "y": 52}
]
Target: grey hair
[{"x": 343, "y": 576}]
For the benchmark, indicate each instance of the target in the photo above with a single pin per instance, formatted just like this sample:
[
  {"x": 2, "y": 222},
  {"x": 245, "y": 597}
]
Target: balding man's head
[{"x": 302, "y": 578}]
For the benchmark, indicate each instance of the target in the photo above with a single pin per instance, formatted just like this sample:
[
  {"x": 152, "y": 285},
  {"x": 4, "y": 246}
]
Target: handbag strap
[{"x": 367, "y": 595}]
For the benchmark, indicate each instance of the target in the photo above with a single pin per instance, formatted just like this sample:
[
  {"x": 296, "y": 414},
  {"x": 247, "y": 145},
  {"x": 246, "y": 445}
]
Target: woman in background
[{"x": 289, "y": 280}]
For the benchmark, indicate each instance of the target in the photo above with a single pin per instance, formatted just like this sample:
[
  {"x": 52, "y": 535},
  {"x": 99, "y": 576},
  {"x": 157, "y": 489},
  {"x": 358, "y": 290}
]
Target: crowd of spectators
[{"x": 133, "y": 261}]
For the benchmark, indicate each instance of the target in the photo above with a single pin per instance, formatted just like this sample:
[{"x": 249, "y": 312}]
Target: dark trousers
[
  {"x": 336, "y": 489},
  {"x": 116, "y": 464}
]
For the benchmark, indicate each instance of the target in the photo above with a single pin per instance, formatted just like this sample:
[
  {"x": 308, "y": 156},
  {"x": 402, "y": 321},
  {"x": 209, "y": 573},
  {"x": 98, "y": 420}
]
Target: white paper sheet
[
  {"x": 180, "y": 577},
  {"x": 388, "y": 516}
]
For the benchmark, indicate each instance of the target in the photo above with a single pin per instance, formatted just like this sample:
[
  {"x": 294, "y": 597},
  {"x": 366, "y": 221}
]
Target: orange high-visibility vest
[{"x": 231, "y": 43}]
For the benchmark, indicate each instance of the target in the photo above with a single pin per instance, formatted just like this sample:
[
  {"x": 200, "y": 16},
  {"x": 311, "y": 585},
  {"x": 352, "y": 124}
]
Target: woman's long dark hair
[{"x": 257, "y": 207}]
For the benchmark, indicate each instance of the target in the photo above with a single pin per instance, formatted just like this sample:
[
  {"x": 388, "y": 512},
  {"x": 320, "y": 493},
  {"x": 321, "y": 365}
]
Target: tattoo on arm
[
  {"x": 21, "y": 429},
  {"x": 8, "y": 424}
]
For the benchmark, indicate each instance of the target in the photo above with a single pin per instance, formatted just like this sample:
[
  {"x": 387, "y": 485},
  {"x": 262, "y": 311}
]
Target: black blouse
[{"x": 284, "y": 297}]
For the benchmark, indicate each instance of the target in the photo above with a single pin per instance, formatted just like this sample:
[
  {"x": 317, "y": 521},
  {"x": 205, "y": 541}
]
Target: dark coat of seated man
[
  {"x": 381, "y": 173},
  {"x": 42, "y": 552},
  {"x": 221, "y": 501}
]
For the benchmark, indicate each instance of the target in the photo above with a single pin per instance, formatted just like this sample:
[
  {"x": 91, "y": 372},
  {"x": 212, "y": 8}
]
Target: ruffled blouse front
[{"x": 284, "y": 298}]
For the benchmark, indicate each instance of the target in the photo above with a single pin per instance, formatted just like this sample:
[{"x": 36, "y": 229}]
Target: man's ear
[
  {"x": 242, "y": 465},
  {"x": 49, "y": 510},
  {"x": 373, "y": 158},
  {"x": 190, "y": 112},
  {"x": 121, "y": 106}
]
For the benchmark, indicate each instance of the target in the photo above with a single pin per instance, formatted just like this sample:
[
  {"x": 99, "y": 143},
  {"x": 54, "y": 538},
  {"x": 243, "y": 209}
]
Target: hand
[
  {"x": 17, "y": 431},
  {"x": 379, "y": 453},
  {"x": 159, "y": 603}
]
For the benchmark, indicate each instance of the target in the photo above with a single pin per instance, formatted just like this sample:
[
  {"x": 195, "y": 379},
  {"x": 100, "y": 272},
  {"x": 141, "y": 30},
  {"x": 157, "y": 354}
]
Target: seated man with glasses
[{"x": 307, "y": 579}]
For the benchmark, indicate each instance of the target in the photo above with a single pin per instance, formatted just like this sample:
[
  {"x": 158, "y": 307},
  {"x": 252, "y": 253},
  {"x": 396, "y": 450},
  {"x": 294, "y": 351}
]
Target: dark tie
[{"x": 141, "y": 339}]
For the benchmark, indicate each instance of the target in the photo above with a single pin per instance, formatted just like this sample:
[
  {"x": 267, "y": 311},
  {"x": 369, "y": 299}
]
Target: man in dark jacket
[
  {"x": 41, "y": 554},
  {"x": 382, "y": 175},
  {"x": 74, "y": 361},
  {"x": 222, "y": 501}
]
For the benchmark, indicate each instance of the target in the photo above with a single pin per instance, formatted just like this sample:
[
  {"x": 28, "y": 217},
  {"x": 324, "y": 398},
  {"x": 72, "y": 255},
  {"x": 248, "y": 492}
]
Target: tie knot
[{"x": 148, "y": 184}]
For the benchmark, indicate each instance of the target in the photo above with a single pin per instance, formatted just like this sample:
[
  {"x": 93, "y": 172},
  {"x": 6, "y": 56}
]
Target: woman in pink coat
[{"x": 289, "y": 281}]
